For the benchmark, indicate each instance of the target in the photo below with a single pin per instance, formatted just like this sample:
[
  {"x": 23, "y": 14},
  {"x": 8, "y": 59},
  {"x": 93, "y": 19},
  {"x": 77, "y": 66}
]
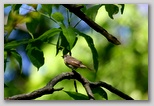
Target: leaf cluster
[{"x": 66, "y": 34}]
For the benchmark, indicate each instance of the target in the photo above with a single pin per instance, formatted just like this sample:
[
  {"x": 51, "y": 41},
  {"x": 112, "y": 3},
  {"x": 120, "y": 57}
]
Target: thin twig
[
  {"x": 75, "y": 86},
  {"x": 85, "y": 84}
]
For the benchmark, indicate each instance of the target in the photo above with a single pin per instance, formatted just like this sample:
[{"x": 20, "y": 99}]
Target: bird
[{"x": 73, "y": 63}]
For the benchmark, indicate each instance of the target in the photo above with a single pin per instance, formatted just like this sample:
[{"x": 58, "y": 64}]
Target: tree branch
[
  {"x": 76, "y": 10},
  {"x": 110, "y": 88},
  {"x": 34, "y": 94},
  {"x": 85, "y": 84},
  {"x": 48, "y": 89},
  {"x": 73, "y": 75}
]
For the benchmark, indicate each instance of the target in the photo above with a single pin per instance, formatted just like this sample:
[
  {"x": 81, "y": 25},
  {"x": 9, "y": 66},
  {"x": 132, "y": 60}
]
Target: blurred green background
[{"x": 125, "y": 66}]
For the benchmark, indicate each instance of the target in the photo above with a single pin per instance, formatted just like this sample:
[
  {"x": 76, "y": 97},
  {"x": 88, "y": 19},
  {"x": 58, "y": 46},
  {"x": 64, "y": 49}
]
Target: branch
[
  {"x": 73, "y": 75},
  {"x": 85, "y": 84},
  {"x": 48, "y": 89},
  {"x": 110, "y": 88},
  {"x": 34, "y": 94},
  {"x": 76, "y": 10}
]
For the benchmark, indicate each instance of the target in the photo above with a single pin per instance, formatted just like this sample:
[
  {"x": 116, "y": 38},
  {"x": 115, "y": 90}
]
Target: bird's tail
[{"x": 83, "y": 66}]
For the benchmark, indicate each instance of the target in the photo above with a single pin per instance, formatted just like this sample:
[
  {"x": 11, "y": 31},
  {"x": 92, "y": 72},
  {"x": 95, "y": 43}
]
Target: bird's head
[{"x": 64, "y": 56}]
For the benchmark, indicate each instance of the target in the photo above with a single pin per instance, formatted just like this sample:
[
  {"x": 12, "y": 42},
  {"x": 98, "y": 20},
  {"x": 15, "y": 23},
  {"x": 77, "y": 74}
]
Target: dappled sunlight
[{"x": 123, "y": 66}]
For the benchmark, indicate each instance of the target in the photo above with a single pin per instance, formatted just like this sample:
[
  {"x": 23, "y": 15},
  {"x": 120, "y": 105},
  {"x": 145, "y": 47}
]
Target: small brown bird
[{"x": 73, "y": 63}]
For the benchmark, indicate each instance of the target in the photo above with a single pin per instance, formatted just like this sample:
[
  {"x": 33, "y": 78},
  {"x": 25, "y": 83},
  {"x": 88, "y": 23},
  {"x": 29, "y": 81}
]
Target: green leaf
[
  {"x": 16, "y": 7},
  {"x": 48, "y": 34},
  {"x": 14, "y": 44},
  {"x": 111, "y": 9},
  {"x": 66, "y": 40},
  {"x": 36, "y": 56},
  {"x": 17, "y": 56},
  {"x": 33, "y": 5},
  {"x": 47, "y": 8},
  {"x": 69, "y": 35},
  {"x": 58, "y": 47},
  {"x": 100, "y": 91},
  {"x": 58, "y": 16},
  {"x": 64, "y": 43},
  {"x": 92, "y": 47},
  {"x": 5, "y": 60},
  {"x": 32, "y": 25},
  {"x": 5, "y": 86},
  {"x": 77, "y": 96},
  {"x": 84, "y": 9},
  {"x": 92, "y": 11},
  {"x": 122, "y": 8},
  {"x": 6, "y": 5},
  {"x": 35, "y": 43},
  {"x": 13, "y": 19}
]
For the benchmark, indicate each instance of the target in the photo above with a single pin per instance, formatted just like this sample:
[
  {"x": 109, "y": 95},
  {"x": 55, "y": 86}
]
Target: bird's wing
[
  {"x": 74, "y": 62},
  {"x": 77, "y": 63}
]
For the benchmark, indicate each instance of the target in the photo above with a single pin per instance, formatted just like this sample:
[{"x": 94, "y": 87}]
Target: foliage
[{"x": 58, "y": 27}]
